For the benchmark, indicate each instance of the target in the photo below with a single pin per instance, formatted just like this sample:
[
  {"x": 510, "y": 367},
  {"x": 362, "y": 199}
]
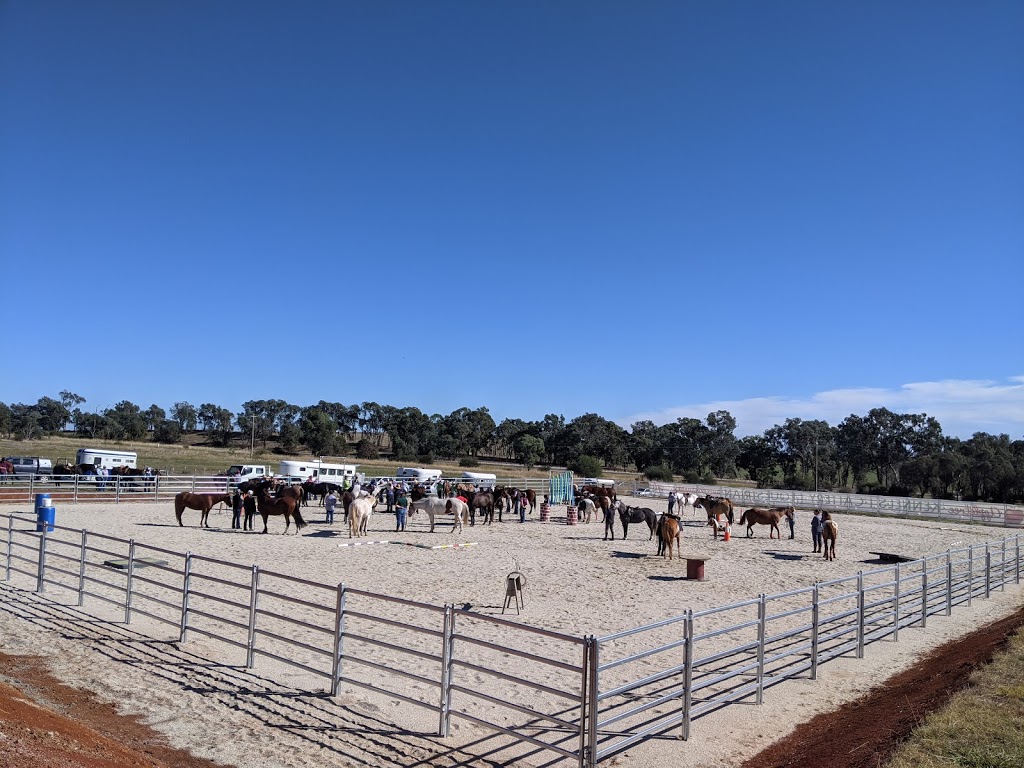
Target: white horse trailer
[
  {"x": 482, "y": 480},
  {"x": 320, "y": 471},
  {"x": 418, "y": 475},
  {"x": 100, "y": 457}
]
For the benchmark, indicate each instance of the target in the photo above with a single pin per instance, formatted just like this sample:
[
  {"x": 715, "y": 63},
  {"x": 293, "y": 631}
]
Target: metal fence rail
[{"x": 578, "y": 698}]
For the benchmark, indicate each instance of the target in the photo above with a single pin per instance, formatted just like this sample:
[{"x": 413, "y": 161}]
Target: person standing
[
  {"x": 389, "y": 495},
  {"x": 236, "y": 510},
  {"x": 791, "y": 519},
  {"x": 671, "y": 502},
  {"x": 816, "y": 524},
  {"x": 330, "y": 502},
  {"x": 401, "y": 511},
  {"x": 249, "y": 505}
]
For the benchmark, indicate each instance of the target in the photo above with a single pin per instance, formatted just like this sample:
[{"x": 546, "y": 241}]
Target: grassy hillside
[{"x": 193, "y": 456}]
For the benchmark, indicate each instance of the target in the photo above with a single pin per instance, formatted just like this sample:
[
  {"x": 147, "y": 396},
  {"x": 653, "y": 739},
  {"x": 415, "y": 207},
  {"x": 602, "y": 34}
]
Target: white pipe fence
[{"x": 579, "y": 698}]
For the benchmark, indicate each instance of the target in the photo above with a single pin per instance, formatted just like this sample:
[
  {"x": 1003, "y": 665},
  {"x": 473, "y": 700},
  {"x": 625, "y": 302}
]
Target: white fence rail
[{"x": 582, "y": 699}]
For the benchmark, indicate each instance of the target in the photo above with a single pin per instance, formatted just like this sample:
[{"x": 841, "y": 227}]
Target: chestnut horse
[
  {"x": 668, "y": 535},
  {"x": 829, "y": 534},
  {"x": 288, "y": 506},
  {"x": 769, "y": 517},
  {"x": 204, "y": 502}
]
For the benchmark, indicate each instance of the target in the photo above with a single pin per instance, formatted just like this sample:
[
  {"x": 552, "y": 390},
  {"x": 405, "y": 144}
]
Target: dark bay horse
[
  {"x": 319, "y": 489},
  {"x": 204, "y": 502},
  {"x": 629, "y": 515},
  {"x": 288, "y": 506}
]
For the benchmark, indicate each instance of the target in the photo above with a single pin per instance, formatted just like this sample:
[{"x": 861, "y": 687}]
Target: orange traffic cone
[{"x": 728, "y": 531}]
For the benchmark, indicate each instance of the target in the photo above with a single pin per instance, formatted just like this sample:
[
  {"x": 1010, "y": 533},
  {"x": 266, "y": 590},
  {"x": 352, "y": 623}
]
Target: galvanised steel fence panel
[
  {"x": 579, "y": 698},
  {"x": 528, "y": 683},
  {"x": 1007, "y": 515}
]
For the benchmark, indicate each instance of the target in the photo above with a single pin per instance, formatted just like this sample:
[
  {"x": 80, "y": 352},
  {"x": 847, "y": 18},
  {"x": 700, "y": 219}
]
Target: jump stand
[
  {"x": 570, "y": 515},
  {"x": 545, "y": 512},
  {"x": 514, "y": 584}
]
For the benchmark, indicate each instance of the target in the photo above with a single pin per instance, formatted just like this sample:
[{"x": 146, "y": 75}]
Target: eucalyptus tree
[
  {"x": 186, "y": 415},
  {"x": 154, "y": 415}
]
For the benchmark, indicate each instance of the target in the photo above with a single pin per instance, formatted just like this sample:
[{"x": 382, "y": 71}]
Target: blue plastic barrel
[
  {"x": 42, "y": 500},
  {"x": 45, "y": 518}
]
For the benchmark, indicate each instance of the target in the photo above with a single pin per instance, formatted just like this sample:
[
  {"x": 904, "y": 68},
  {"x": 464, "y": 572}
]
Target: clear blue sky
[{"x": 786, "y": 209}]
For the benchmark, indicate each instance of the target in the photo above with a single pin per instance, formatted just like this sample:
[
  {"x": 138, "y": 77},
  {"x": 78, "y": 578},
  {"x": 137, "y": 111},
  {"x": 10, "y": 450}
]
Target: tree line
[{"x": 880, "y": 452}]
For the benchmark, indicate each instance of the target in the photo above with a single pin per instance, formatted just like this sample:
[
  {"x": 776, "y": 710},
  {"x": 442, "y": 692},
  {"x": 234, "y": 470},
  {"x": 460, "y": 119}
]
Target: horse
[
  {"x": 319, "y": 489},
  {"x": 769, "y": 517},
  {"x": 204, "y": 502},
  {"x": 609, "y": 519},
  {"x": 282, "y": 505},
  {"x": 434, "y": 506},
  {"x": 668, "y": 534},
  {"x": 629, "y": 515},
  {"x": 484, "y": 502},
  {"x": 597, "y": 490},
  {"x": 686, "y": 500},
  {"x": 829, "y": 534},
  {"x": 715, "y": 506},
  {"x": 587, "y": 509},
  {"x": 6, "y": 470},
  {"x": 359, "y": 515},
  {"x": 531, "y": 497}
]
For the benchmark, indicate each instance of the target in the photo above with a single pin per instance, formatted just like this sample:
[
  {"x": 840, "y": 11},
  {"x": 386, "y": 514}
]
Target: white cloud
[{"x": 962, "y": 407}]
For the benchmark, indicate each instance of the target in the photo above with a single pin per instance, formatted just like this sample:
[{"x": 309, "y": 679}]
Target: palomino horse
[
  {"x": 204, "y": 502},
  {"x": 668, "y": 535},
  {"x": 769, "y": 517},
  {"x": 629, "y": 515},
  {"x": 829, "y": 534},
  {"x": 282, "y": 505},
  {"x": 588, "y": 510}
]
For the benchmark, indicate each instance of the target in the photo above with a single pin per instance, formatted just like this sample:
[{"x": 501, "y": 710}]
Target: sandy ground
[{"x": 576, "y": 584}]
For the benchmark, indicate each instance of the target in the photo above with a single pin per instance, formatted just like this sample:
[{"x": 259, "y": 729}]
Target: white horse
[
  {"x": 434, "y": 506},
  {"x": 588, "y": 509},
  {"x": 359, "y": 513},
  {"x": 686, "y": 500}
]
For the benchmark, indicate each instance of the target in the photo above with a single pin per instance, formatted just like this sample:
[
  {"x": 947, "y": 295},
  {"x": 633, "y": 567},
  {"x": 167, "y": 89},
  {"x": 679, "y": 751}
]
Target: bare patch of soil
[
  {"x": 865, "y": 732},
  {"x": 46, "y": 724}
]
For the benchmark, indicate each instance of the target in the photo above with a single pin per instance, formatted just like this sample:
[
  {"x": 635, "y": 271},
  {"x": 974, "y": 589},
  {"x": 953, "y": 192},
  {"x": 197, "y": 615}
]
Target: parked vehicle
[
  {"x": 320, "y": 471},
  {"x": 417, "y": 475},
  {"x": 482, "y": 480},
  {"x": 30, "y": 467},
  {"x": 101, "y": 457},
  {"x": 643, "y": 492},
  {"x": 241, "y": 472}
]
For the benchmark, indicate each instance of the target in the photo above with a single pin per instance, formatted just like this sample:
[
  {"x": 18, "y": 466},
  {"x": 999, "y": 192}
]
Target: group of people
[{"x": 243, "y": 502}]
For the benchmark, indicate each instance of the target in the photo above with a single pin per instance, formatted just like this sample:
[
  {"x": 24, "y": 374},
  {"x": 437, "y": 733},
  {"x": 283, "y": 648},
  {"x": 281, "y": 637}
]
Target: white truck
[
  {"x": 417, "y": 475},
  {"x": 239, "y": 473}
]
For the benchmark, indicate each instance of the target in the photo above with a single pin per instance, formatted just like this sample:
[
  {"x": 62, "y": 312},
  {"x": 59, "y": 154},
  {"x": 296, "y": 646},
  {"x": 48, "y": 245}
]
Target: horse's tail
[
  {"x": 299, "y": 522},
  {"x": 179, "y": 507},
  {"x": 743, "y": 518}
]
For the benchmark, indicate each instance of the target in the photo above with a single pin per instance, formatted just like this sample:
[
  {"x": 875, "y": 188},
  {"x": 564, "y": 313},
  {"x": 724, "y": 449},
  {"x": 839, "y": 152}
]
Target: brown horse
[
  {"x": 282, "y": 505},
  {"x": 204, "y": 502},
  {"x": 769, "y": 517},
  {"x": 668, "y": 535},
  {"x": 6, "y": 471},
  {"x": 715, "y": 506},
  {"x": 829, "y": 534}
]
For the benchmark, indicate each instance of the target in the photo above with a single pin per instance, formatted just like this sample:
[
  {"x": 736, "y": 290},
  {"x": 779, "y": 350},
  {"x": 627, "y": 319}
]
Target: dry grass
[
  {"x": 193, "y": 457},
  {"x": 981, "y": 726}
]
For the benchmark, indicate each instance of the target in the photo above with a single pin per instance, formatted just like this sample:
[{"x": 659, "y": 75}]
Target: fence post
[
  {"x": 860, "y": 614},
  {"x": 762, "y": 612},
  {"x": 949, "y": 582},
  {"x": 250, "y": 642},
  {"x": 970, "y": 575},
  {"x": 156, "y": 488},
  {"x": 186, "y": 585},
  {"x": 896, "y": 596},
  {"x": 988, "y": 572},
  {"x": 117, "y": 489},
  {"x": 447, "y": 661},
  {"x": 924, "y": 593},
  {"x": 81, "y": 568},
  {"x": 41, "y": 570},
  {"x": 592, "y": 695},
  {"x": 339, "y": 637},
  {"x": 1017, "y": 558},
  {"x": 688, "y": 673},
  {"x": 74, "y": 488},
  {"x": 814, "y": 631},
  {"x": 10, "y": 547},
  {"x": 128, "y": 583},
  {"x": 1002, "y": 567}
]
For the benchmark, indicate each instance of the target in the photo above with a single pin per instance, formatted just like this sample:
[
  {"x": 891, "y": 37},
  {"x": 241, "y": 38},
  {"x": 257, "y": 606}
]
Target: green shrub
[
  {"x": 586, "y": 466},
  {"x": 468, "y": 461},
  {"x": 660, "y": 472}
]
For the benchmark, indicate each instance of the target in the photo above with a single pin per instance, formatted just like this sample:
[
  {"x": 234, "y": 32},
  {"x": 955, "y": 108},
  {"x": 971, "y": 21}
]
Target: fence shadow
[{"x": 345, "y": 729}]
